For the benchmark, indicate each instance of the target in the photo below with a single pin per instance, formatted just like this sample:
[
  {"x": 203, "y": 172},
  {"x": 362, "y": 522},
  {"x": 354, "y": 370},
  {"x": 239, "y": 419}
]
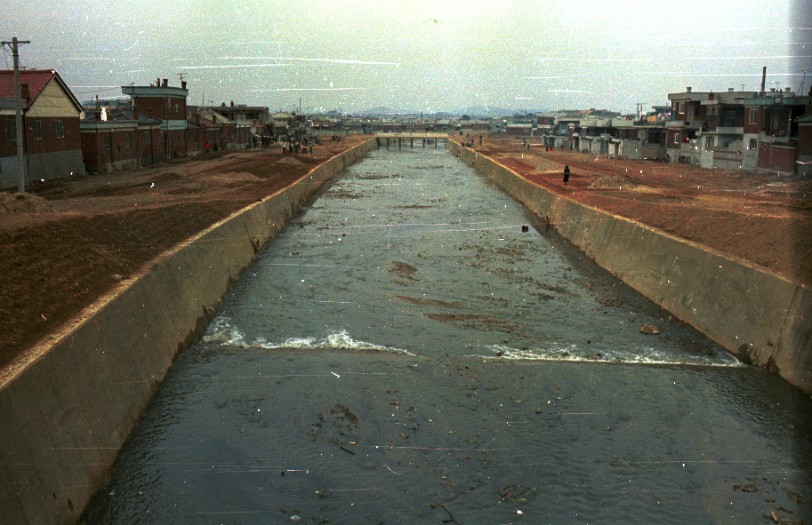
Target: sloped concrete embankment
[
  {"x": 65, "y": 415},
  {"x": 759, "y": 317}
]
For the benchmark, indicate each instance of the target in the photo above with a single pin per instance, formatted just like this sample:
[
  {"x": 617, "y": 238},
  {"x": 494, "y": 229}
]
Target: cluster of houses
[
  {"x": 761, "y": 131},
  {"x": 63, "y": 136},
  {"x": 751, "y": 130}
]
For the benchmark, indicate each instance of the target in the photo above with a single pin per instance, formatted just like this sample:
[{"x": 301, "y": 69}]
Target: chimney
[
  {"x": 232, "y": 103},
  {"x": 24, "y": 93},
  {"x": 688, "y": 89},
  {"x": 158, "y": 82},
  {"x": 98, "y": 106},
  {"x": 730, "y": 90},
  {"x": 763, "y": 80},
  {"x": 183, "y": 84},
  {"x": 165, "y": 83}
]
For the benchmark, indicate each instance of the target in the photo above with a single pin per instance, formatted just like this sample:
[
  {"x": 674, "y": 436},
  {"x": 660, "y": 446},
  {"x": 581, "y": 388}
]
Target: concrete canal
[{"x": 414, "y": 348}]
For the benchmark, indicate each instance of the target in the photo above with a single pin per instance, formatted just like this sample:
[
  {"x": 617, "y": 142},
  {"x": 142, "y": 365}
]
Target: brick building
[
  {"x": 112, "y": 138},
  {"x": 771, "y": 129},
  {"x": 167, "y": 104},
  {"x": 51, "y": 141}
]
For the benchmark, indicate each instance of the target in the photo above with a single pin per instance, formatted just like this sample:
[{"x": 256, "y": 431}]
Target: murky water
[{"x": 406, "y": 353}]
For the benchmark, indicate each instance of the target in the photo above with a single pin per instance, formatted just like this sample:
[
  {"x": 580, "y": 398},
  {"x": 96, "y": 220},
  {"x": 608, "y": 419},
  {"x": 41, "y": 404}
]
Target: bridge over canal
[{"x": 399, "y": 139}]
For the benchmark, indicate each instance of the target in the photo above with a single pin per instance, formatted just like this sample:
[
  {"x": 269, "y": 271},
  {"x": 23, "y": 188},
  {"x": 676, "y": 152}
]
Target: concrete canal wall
[
  {"x": 65, "y": 414},
  {"x": 757, "y": 316}
]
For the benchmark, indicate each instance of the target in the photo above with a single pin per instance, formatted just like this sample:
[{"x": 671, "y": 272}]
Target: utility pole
[{"x": 18, "y": 112}]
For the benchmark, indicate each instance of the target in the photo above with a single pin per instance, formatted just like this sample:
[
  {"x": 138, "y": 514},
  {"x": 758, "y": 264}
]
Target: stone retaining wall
[
  {"x": 758, "y": 316},
  {"x": 65, "y": 415}
]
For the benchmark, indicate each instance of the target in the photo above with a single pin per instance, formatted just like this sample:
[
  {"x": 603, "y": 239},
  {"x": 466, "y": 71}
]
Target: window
[
  {"x": 681, "y": 107},
  {"x": 11, "y": 130},
  {"x": 753, "y": 144},
  {"x": 107, "y": 140},
  {"x": 60, "y": 129},
  {"x": 676, "y": 138},
  {"x": 37, "y": 130},
  {"x": 147, "y": 138},
  {"x": 753, "y": 115}
]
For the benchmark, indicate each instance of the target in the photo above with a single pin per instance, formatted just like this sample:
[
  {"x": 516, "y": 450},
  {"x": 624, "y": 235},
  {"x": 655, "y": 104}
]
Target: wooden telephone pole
[{"x": 18, "y": 112}]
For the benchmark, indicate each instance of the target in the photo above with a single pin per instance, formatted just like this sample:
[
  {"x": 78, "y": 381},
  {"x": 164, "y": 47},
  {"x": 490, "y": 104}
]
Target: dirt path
[{"x": 67, "y": 242}]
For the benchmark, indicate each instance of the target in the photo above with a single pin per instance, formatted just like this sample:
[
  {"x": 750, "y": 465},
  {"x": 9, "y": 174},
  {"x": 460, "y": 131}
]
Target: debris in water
[{"x": 649, "y": 329}]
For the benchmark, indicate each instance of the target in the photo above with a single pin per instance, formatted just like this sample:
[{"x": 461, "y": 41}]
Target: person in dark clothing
[{"x": 566, "y": 174}]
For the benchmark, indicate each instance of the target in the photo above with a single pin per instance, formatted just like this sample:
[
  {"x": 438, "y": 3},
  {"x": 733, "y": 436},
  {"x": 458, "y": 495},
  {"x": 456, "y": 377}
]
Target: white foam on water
[
  {"x": 340, "y": 340},
  {"x": 641, "y": 356},
  {"x": 222, "y": 331}
]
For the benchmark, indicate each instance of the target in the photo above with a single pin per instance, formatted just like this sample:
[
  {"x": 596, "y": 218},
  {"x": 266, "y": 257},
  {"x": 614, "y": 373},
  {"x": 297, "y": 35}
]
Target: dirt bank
[
  {"x": 66, "y": 242},
  {"x": 765, "y": 219}
]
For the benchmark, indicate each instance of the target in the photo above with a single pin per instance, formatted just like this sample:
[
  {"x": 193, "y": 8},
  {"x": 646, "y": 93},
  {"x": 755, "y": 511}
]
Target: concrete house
[
  {"x": 706, "y": 128},
  {"x": 257, "y": 118},
  {"x": 595, "y": 136},
  {"x": 749, "y": 130},
  {"x": 51, "y": 143},
  {"x": 564, "y": 133},
  {"x": 252, "y": 124},
  {"x": 721, "y": 141},
  {"x": 639, "y": 140},
  {"x": 687, "y": 118}
]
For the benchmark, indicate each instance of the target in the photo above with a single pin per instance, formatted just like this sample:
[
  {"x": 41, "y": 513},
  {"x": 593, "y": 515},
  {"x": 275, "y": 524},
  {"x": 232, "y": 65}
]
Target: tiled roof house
[{"x": 51, "y": 142}]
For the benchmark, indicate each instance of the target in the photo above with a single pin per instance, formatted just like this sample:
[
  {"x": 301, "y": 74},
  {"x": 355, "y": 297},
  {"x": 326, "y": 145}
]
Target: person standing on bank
[{"x": 566, "y": 174}]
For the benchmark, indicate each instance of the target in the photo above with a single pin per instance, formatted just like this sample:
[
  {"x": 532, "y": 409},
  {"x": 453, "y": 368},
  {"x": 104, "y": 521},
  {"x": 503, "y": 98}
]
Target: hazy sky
[{"x": 417, "y": 55}]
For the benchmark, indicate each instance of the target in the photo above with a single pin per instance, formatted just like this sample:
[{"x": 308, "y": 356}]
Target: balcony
[
  {"x": 684, "y": 124},
  {"x": 722, "y": 130}
]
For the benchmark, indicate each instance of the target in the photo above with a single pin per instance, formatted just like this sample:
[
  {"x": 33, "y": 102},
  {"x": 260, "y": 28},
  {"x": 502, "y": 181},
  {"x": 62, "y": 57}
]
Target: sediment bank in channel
[
  {"x": 758, "y": 316},
  {"x": 67, "y": 413}
]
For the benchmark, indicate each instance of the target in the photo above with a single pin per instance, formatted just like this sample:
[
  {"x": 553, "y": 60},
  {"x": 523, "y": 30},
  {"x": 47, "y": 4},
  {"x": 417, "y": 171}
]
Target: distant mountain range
[{"x": 471, "y": 111}]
